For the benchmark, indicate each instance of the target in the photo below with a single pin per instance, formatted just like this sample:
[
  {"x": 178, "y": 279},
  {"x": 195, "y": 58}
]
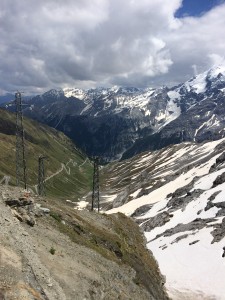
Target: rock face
[
  {"x": 121, "y": 122},
  {"x": 71, "y": 254}
]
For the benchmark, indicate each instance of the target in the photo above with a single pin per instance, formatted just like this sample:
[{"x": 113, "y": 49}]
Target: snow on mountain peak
[
  {"x": 216, "y": 70},
  {"x": 197, "y": 84},
  {"x": 115, "y": 88},
  {"x": 74, "y": 92}
]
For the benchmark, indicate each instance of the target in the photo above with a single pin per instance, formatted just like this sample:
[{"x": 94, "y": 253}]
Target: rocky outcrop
[
  {"x": 141, "y": 210},
  {"x": 219, "y": 232},
  {"x": 219, "y": 180},
  {"x": 219, "y": 162},
  {"x": 196, "y": 224},
  {"x": 157, "y": 221},
  {"x": 25, "y": 209}
]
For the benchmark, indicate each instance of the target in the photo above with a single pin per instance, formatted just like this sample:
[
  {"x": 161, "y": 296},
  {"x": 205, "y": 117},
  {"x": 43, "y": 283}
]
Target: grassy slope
[{"x": 72, "y": 182}]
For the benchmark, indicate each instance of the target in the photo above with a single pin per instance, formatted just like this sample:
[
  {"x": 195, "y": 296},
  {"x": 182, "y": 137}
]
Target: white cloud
[
  {"x": 53, "y": 43},
  {"x": 216, "y": 59}
]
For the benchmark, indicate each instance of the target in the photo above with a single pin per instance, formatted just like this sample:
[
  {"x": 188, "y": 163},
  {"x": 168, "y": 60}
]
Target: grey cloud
[{"x": 44, "y": 44}]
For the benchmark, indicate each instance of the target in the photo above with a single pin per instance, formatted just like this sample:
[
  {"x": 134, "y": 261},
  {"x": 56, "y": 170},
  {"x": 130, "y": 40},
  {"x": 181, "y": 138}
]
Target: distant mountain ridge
[{"x": 121, "y": 122}]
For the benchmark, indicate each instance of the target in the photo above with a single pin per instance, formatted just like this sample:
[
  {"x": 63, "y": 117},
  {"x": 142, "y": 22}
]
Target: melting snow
[{"x": 192, "y": 267}]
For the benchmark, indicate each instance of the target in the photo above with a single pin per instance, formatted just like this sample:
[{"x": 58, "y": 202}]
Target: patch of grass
[
  {"x": 52, "y": 250},
  {"x": 56, "y": 216}
]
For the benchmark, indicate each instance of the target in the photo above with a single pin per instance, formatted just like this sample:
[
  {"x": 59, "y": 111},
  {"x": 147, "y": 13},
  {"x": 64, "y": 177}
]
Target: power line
[
  {"x": 95, "y": 192},
  {"x": 21, "y": 175}
]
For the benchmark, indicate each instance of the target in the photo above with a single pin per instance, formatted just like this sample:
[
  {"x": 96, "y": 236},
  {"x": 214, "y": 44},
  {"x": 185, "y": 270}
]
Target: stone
[
  {"x": 31, "y": 222},
  {"x": 17, "y": 215},
  {"x": 12, "y": 202},
  {"x": 45, "y": 210},
  {"x": 21, "y": 210},
  {"x": 194, "y": 242},
  {"x": 223, "y": 254}
]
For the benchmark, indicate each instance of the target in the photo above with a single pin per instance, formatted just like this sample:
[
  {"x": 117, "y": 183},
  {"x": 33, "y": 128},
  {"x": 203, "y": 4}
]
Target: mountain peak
[
  {"x": 74, "y": 92},
  {"x": 216, "y": 70}
]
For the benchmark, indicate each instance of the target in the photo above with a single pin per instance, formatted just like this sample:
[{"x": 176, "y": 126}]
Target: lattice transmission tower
[
  {"x": 41, "y": 175},
  {"x": 21, "y": 175},
  {"x": 95, "y": 193}
]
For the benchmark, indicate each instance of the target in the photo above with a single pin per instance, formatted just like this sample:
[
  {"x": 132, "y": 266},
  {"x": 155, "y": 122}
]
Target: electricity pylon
[
  {"x": 95, "y": 192},
  {"x": 21, "y": 175},
  {"x": 41, "y": 175}
]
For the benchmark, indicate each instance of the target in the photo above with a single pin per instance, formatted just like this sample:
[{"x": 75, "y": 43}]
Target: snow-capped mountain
[
  {"x": 202, "y": 104},
  {"x": 121, "y": 122},
  {"x": 105, "y": 121},
  {"x": 176, "y": 195}
]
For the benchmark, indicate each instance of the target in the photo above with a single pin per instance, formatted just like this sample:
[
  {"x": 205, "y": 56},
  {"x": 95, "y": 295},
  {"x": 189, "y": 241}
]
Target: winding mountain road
[{"x": 63, "y": 167}]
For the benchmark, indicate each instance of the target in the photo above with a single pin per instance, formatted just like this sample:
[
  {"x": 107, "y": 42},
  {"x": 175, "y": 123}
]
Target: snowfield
[{"x": 184, "y": 218}]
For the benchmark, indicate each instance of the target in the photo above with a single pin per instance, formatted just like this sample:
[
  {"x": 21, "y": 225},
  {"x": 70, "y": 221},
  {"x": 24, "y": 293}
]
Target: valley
[{"x": 162, "y": 167}]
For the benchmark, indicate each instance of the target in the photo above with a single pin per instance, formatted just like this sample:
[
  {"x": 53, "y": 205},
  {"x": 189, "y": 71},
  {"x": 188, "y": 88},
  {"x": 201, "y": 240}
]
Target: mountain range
[
  {"x": 166, "y": 170},
  {"x": 117, "y": 122}
]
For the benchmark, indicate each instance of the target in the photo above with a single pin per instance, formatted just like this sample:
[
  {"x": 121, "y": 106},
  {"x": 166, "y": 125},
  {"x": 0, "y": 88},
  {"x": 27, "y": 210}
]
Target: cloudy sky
[{"x": 86, "y": 43}]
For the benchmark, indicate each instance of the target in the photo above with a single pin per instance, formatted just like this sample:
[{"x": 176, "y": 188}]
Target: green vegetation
[
  {"x": 52, "y": 250},
  {"x": 56, "y": 216},
  {"x": 68, "y": 172}
]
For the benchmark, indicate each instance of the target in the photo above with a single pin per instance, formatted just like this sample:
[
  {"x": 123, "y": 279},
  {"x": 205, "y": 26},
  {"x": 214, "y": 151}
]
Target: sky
[{"x": 48, "y": 44}]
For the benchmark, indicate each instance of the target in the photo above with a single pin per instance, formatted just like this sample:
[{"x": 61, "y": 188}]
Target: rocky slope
[
  {"x": 116, "y": 122},
  {"x": 70, "y": 254},
  {"x": 176, "y": 196}
]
